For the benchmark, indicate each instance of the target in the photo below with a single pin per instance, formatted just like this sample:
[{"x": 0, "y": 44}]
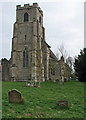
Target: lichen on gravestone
[{"x": 15, "y": 96}]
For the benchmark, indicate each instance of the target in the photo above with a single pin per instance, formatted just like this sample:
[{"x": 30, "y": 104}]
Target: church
[{"x": 31, "y": 56}]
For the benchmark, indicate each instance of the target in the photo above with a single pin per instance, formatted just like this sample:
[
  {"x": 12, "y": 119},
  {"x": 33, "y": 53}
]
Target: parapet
[
  {"x": 18, "y": 7},
  {"x": 28, "y": 6},
  {"x": 35, "y": 4}
]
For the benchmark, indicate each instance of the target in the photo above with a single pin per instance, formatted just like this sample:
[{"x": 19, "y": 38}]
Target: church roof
[
  {"x": 52, "y": 55},
  {"x": 47, "y": 44}
]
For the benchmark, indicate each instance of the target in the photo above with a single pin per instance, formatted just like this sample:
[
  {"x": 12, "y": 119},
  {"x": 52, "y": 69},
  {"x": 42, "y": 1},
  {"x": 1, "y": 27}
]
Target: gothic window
[
  {"x": 40, "y": 19},
  {"x": 25, "y": 58},
  {"x": 25, "y": 17},
  {"x": 52, "y": 71}
]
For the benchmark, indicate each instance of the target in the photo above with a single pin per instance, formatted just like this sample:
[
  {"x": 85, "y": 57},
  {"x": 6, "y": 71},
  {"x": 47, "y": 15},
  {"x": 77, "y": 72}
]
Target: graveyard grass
[{"x": 42, "y": 102}]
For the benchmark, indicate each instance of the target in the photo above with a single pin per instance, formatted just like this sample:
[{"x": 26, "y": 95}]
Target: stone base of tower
[{"x": 42, "y": 76}]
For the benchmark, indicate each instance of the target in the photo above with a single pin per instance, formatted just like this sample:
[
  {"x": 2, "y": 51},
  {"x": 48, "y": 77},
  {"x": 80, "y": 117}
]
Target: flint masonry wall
[
  {"x": 27, "y": 36},
  {"x": 31, "y": 56},
  {"x": 5, "y": 70}
]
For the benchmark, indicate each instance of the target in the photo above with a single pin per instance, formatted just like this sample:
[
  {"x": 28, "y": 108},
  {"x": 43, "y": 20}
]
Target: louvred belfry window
[{"x": 25, "y": 17}]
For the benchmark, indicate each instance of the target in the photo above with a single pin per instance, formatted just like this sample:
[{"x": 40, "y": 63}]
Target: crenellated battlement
[{"x": 28, "y": 6}]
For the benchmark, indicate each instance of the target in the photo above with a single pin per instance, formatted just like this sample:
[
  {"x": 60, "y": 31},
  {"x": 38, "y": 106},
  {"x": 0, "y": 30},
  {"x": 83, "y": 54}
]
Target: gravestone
[
  {"x": 30, "y": 84},
  {"x": 14, "y": 96},
  {"x": 62, "y": 103},
  {"x": 60, "y": 82}
]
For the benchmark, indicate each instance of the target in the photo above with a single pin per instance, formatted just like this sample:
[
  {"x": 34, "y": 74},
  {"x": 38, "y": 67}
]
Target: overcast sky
[{"x": 63, "y": 22}]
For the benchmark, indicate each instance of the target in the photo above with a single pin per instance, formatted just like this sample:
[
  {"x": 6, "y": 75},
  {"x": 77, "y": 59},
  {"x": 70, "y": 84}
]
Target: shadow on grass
[{"x": 61, "y": 107}]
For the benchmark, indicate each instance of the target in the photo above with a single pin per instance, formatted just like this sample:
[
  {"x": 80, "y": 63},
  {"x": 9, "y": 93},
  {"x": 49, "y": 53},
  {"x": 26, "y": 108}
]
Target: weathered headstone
[
  {"x": 14, "y": 96},
  {"x": 62, "y": 103},
  {"x": 60, "y": 82},
  {"x": 30, "y": 84}
]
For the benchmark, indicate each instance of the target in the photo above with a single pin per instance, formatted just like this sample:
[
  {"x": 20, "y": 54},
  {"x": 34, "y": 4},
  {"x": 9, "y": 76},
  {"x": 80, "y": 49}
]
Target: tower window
[
  {"x": 25, "y": 17},
  {"x": 40, "y": 19},
  {"x": 25, "y": 37},
  {"x": 25, "y": 58}
]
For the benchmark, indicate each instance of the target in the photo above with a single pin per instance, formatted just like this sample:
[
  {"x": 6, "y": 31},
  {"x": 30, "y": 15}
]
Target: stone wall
[
  {"x": 65, "y": 70},
  {"x": 27, "y": 35},
  {"x": 31, "y": 56},
  {"x": 5, "y": 70},
  {"x": 54, "y": 68}
]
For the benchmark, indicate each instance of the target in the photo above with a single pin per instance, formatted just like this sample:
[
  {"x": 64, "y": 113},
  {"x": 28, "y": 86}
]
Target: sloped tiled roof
[
  {"x": 52, "y": 55},
  {"x": 47, "y": 44}
]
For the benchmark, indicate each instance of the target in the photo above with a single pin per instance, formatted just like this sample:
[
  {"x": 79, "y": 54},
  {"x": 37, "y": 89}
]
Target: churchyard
[{"x": 42, "y": 102}]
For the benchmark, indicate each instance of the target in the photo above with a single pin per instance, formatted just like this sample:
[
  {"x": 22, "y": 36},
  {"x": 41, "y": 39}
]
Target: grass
[{"x": 42, "y": 102}]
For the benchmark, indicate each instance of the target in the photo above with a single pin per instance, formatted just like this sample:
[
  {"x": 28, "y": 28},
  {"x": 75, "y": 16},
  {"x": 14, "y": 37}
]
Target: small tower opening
[
  {"x": 40, "y": 19},
  {"x": 25, "y": 58},
  {"x": 25, "y": 37}
]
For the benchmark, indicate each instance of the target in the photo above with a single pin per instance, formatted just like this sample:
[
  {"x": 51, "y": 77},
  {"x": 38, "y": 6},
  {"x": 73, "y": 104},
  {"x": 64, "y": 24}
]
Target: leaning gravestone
[{"x": 14, "y": 96}]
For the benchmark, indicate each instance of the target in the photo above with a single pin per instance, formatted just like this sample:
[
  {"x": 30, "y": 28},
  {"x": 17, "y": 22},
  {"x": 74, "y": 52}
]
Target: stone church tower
[
  {"x": 28, "y": 36},
  {"x": 31, "y": 57}
]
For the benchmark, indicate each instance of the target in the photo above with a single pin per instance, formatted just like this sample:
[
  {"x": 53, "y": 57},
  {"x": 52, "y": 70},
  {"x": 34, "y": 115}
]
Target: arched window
[
  {"x": 25, "y": 17},
  {"x": 40, "y": 19},
  {"x": 25, "y": 58},
  {"x": 53, "y": 71}
]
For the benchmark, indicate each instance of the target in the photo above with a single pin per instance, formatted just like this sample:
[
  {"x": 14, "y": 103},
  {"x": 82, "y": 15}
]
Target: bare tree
[
  {"x": 62, "y": 52},
  {"x": 57, "y": 55}
]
